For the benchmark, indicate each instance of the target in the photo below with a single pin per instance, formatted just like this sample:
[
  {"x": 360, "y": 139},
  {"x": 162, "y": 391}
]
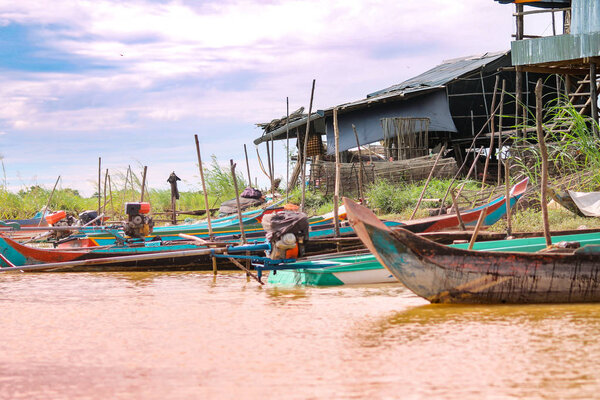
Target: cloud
[{"x": 133, "y": 78}]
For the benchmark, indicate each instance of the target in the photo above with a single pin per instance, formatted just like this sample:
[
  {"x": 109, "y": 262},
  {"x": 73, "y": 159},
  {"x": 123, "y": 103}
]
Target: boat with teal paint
[{"x": 365, "y": 269}]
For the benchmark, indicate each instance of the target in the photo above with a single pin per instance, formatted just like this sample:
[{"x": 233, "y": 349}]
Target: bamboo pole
[
  {"x": 143, "y": 182},
  {"x": 360, "y": 166},
  {"x": 237, "y": 201},
  {"x": 210, "y": 232},
  {"x": 104, "y": 194},
  {"x": 482, "y": 216},
  {"x": 507, "y": 196},
  {"x": 305, "y": 146},
  {"x": 287, "y": 148},
  {"x": 269, "y": 166},
  {"x": 336, "y": 196},
  {"x": 99, "y": 184},
  {"x": 112, "y": 205},
  {"x": 455, "y": 205},
  {"x": 437, "y": 158},
  {"x": 594, "y": 97},
  {"x": 470, "y": 171},
  {"x": 500, "y": 128},
  {"x": 492, "y": 133},
  {"x": 544, "y": 153},
  {"x": 45, "y": 209},
  {"x": 247, "y": 166}
]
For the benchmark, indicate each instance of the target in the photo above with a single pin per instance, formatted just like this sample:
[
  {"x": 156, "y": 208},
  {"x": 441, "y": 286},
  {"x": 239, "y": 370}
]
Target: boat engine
[
  {"x": 60, "y": 219},
  {"x": 88, "y": 216},
  {"x": 287, "y": 231},
  {"x": 138, "y": 224}
]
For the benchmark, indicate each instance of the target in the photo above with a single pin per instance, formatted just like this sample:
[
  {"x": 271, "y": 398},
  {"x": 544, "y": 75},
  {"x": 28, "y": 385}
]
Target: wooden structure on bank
[
  {"x": 571, "y": 53},
  {"x": 322, "y": 174}
]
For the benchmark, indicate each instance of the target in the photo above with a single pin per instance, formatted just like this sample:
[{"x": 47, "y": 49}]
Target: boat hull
[{"x": 442, "y": 274}]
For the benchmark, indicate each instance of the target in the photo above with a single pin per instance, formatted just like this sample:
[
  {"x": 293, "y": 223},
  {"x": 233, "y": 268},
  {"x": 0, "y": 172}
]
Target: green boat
[{"x": 365, "y": 269}]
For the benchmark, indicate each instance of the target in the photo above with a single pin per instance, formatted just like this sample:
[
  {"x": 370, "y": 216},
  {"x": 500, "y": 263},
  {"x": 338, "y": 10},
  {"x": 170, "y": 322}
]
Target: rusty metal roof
[{"x": 439, "y": 76}]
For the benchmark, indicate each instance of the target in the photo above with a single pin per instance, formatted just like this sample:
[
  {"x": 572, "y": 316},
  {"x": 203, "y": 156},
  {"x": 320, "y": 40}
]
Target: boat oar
[{"x": 107, "y": 260}]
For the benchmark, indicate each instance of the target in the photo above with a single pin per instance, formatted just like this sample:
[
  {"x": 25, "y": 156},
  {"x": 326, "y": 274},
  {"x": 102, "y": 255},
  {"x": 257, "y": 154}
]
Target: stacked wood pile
[{"x": 322, "y": 173}]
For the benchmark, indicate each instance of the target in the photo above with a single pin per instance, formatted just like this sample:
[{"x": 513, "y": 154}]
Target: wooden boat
[
  {"x": 363, "y": 268},
  {"x": 442, "y": 274},
  {"x": 134, "y": 257},
  {"x": 494, "y": 211}
]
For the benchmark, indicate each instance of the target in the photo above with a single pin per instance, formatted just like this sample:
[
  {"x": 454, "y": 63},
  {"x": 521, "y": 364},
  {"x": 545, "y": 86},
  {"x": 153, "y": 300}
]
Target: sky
[{"x": 133, "y": 81}]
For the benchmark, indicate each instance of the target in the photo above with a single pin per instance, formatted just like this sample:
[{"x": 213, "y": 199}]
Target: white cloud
[{"x": 177, "y": 64}]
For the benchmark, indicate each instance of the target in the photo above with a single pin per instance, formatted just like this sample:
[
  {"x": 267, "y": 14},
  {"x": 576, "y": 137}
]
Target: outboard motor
[
  {"x": 138, "y": 224},
  {"x": 88, "y": 216},
  {"x": 62, "y": 219},
  {"x": 287, "y": 231}
]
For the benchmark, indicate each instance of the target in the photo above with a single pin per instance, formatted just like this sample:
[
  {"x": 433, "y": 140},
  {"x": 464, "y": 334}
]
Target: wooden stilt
[{"x": 594, "y": 96}]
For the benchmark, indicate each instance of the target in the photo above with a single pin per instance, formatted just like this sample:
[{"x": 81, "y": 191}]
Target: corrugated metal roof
[
  {"x": 540, "y": 3},
  {"x": 440, "y": 75}
]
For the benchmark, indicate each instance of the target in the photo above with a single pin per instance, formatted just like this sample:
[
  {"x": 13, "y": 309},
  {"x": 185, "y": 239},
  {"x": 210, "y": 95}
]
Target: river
[{"x": 184, "y": 335}]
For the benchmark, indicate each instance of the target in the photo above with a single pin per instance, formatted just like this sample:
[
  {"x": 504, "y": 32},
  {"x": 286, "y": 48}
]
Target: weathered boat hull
[{"x": 442, "y": 274}]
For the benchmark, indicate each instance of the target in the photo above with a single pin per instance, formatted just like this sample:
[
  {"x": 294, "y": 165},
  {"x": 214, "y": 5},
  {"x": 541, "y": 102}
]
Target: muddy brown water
[{"x": 186, "y": 335}]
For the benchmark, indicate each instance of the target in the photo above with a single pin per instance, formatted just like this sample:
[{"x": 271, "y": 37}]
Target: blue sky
[{"x": 132, "y": 82}]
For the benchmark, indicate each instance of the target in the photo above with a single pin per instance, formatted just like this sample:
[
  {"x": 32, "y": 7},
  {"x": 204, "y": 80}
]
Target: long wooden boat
[
  {"x": 182, "y": 255},
  {"x": 363, "y": 268},
  {"x": 493, "y": 211},
  {"x": 442, "y": 274}
]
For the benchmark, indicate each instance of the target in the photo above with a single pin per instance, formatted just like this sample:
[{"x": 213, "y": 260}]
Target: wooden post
[
  {"x": 143, "y": 182},
  {"x": 269, "y": 166},
  {"x": 437, "y": 158},
  {"x": 544, "y": 153},
  {"x": 500, "y": 130},
  {"x": 482, "y": 216},
  {"x": 455, "y": 205},
  {"x": 336, "y": 195},
  {"x": 45, "y": 209},
  {"x": 305, "y": 147},
  {"x": 272, "y": 172},
  {"x": 206, "y": 206},
  {"x": 360, "y": 166},
  {"x": 173, "y": 207},
  {"x": 492, "y": 131},
  {"x": 247, "y": 166},
  {"x": 99, "y": 185},
  {"x": 287, "y": 148},
  {"x": 105, "y": 182},
  {"x": 518, "y": 102},
  {"x": 594, "y": 96},
  {"x": 112, "y": 205},
  {"x": 237, "y": 201},
  {"x": 507, "y": 196}
]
